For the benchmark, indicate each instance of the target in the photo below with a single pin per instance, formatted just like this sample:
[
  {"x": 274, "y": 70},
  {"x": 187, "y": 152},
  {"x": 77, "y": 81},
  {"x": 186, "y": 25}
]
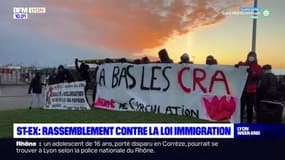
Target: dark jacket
[
  {"x": 281, "y": 90},
  {"x": 35, "y": 86},
  {"x": 52, "y": 79},
  {"x": 64, "y": 76},
  {"x": 268, "y": 87},
  {"x": 83, "y": 71}
]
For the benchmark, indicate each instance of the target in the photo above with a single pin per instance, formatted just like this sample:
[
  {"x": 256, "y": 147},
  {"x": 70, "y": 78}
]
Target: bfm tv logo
[{"x": 22, "y": 12}]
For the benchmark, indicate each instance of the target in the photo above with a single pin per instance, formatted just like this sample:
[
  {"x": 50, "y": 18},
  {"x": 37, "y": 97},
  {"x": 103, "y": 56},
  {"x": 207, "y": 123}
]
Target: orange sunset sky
[{"x": 134, "y": 28}]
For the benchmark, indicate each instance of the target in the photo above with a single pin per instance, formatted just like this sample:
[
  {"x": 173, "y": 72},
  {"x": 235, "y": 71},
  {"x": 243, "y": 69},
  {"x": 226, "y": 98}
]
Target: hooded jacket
[
  {"x": 268, "y": 88},
  {"x": 35, "y": 86}
]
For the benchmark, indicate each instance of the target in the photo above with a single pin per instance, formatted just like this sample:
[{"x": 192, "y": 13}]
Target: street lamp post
[{"x": 253, "y": 45}]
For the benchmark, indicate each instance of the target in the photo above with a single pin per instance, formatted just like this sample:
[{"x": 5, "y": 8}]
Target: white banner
[
  {"x": 210, "y": 92},
  {"x": 66, "y": 96}
]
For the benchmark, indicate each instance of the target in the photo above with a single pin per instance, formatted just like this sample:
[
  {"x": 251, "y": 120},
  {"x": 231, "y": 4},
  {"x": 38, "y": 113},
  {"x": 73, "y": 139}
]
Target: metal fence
[{"x": 15, "y": 77}]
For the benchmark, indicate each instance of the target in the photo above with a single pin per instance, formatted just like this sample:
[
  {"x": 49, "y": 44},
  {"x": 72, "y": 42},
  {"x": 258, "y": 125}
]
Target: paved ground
[
  {"x": 13, "y": 96},
  {"x": 16, "y": 96}
]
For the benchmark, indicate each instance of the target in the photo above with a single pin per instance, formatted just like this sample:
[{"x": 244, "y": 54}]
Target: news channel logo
[
  {"x": 23, "y": 12},
  {"x": 253, "y": 12}
]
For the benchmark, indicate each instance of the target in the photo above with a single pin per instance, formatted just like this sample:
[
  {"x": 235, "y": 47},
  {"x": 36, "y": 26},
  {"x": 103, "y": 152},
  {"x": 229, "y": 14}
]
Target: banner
[
  {"x": 66, "y": 96},
  {"x": 123, "y": 130},
  {"x": 210, "y": 92}
]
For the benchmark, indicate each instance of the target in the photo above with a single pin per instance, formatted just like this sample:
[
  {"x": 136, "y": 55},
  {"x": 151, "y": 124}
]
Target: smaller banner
[
  {"x": 66, "y": 96},
  {"x": 120, "y": 130}
]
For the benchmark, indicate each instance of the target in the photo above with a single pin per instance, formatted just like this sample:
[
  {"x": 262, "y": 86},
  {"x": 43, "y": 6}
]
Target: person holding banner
[
  {"x": 63, "y": 75},
  {"x": 248, "y": 98},
  {"x": 163, "y": 56},
  {"x": 145, "y": 60},
  {"x": 84, "y": 75},
  {"x": 36, "y": 90},
  {"x": 210, "y": 60},
  {"x": 185, "y": 59},
  {"x": 95, "y": 84},
  {"x": 52, "y": 77}
]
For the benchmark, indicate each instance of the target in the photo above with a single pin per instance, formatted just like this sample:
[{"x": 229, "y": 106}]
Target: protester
[
  {"x": 163, "y": 56},
  {"x": 52, "y": 77},
  {"x": 95, "y": 84},
  {"x": 248, "y": 98},
  {"x": 137, "y": 61},
  {"x": 83, "y": 71},
  {"x": 184, "y": 58},
  {"x": 144, "y": 60},
  {"x": 268, "y": 88},
  {"x": 210, "y": 60},
  {"x": 108, "y": 60},
  {"x": 84, "y": 75},
  {"x": 63, "y": 75},
  {"x": 123, "y": 60},
  {"x": 35, "y": 89}
]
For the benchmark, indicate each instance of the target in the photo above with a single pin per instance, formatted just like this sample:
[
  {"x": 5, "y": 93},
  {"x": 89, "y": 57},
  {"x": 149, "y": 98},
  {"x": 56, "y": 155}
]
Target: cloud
[{"x": 128, "y": 26}]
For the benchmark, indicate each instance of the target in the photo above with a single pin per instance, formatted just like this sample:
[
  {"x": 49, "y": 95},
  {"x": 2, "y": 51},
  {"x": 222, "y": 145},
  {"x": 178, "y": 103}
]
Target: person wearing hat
[
  {"x": 184, "y": 58},
  {"x": 268, "y": 88}
]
